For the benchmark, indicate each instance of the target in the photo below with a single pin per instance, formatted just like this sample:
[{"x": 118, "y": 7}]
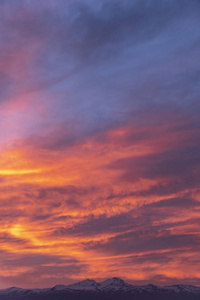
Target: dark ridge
[{"x": 110, "y": 289}]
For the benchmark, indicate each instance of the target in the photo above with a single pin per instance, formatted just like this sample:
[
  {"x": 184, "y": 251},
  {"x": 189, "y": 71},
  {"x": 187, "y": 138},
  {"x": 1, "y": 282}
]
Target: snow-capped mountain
[
  {"x": 114, "y": 284},
  {"x": 110, "y": 289},
  {"x": 183, "y": 288},
  {"x": 107, "y": 285},
  {"x": 88, "y": 284}
]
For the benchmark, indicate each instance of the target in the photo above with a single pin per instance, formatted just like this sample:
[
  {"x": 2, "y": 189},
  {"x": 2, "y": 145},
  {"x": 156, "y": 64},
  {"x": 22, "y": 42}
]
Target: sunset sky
[{"x": 99, "y": 141}]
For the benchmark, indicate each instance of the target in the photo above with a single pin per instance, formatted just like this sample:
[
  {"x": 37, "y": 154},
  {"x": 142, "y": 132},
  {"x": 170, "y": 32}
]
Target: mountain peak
[
  {"x": 84, "y": 284},
  {"x": 59, "y": 287},
  {"x": 87, "y": 282},
  {"x": 115, "y": 282},
  {"x": 117, "y": 279}
]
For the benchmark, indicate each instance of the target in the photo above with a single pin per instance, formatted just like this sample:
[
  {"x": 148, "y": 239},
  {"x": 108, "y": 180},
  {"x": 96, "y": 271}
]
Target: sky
[{"x": 99, "y": 141}]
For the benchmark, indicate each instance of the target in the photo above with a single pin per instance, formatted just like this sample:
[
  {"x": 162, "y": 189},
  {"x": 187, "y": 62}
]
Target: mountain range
[{"x": 110, "y": 289}]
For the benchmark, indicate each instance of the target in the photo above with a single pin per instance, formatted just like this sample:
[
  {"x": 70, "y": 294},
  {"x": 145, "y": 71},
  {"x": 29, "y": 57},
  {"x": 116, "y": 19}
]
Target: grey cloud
[
  {"x": 10, "y": 239},
  {"x": 37, "y": 260},
  {"x": 104, "y": 63},
  {"x": 64, "y": 190},
  {"x": 171, "y": 186},
  {"x": 164, "y": 280},
  {"x": 156, "y": 258},
  {"x": 40, "y": 269},
  {"x": 94, "y": 226},
  {"x": 177, "y": 170},
  {"x": 140, "y": 221},
  {"x": 131, "y": 243},
  {"x": 175, "y": 203},
  {"x": 44, "y": 276}
]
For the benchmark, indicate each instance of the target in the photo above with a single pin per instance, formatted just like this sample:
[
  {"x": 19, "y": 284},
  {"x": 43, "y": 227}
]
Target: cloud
[
  {"x": 102, "y": 99},
  {"x": 165, "y": 280},
  {"x": 44, "y": 276},
  {"x": 145, "y": 219},
  {"x": 103, "y": 63},
  {"x": 33, "y": 259},
  {"x": 38, "y": 269},
  {"x": 169, "y": 164},
  {"x": 175, "y": 203},
  {"x": 64, "y": 190},
  {"x": 133, "y": 242},
  {"x": 101, "y": 225},
  {"x": 176, "y": 170}
]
